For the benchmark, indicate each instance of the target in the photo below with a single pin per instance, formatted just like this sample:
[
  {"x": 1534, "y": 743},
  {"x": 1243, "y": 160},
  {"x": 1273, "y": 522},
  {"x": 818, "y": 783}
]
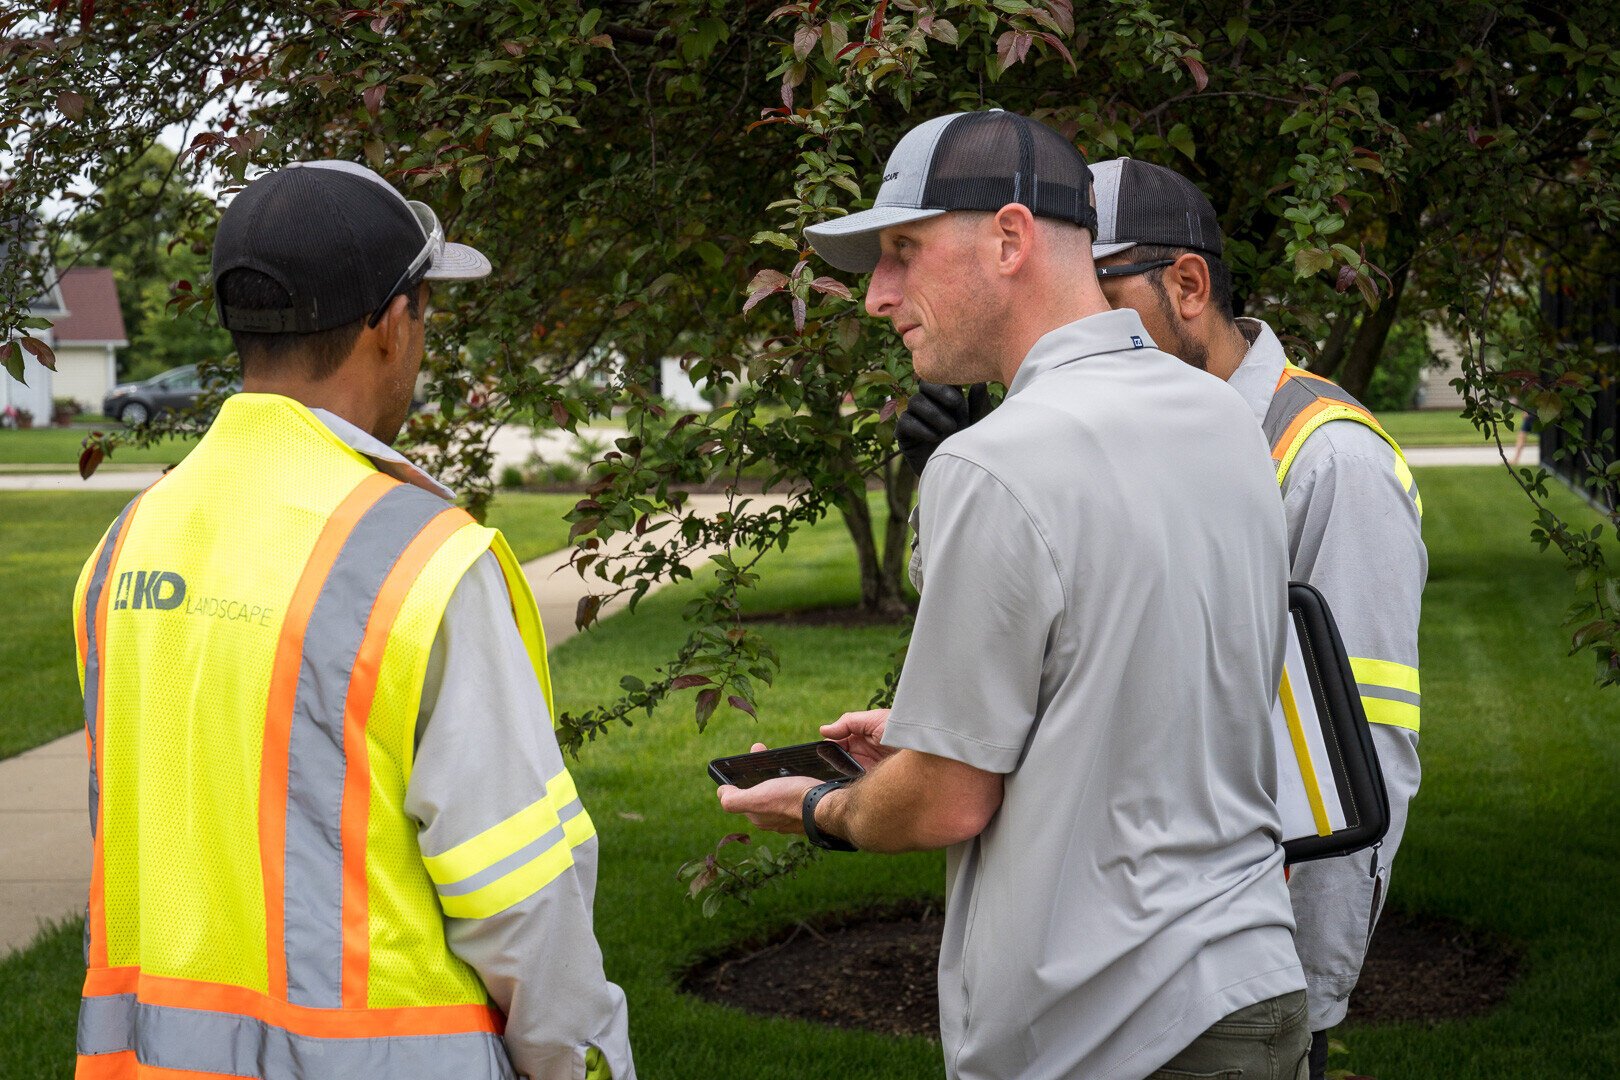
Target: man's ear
[
  {"x": 1186, "y": 281},
  {"x": 1014, "y": 237},
  {"x": 394, "y": 330}
]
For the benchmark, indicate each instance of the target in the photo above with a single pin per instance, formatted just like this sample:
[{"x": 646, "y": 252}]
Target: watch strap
[{"x": 815, "y": 835}]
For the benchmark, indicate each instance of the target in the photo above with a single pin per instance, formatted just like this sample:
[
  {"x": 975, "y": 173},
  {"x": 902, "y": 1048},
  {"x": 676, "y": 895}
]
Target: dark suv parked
[{"x": 136, "y": 403}]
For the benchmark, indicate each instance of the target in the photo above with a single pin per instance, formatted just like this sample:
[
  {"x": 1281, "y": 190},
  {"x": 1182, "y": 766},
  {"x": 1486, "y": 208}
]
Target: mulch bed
[
  {"x": 842, "y": 617},
  {"x": 875, "y": 970}
]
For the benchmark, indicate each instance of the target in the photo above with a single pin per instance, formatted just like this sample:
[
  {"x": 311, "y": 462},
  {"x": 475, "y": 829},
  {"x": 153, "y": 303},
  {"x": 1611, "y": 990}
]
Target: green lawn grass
[
  {"x": 61, "y": 447},
  {"x": 1432, "y": 427},
  {"x": 45, "y": 536},
  {"x": 1514, "y": 830}
]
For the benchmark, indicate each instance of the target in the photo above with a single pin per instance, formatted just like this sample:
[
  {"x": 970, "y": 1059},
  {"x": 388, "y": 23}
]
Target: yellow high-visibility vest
[{"x": 253, "y": 633}]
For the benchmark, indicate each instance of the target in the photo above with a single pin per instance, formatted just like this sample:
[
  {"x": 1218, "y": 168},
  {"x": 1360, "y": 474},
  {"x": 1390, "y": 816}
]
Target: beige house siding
[
  {"x": 1435, "y": 391},
  {"x": 85, "y": 372}
]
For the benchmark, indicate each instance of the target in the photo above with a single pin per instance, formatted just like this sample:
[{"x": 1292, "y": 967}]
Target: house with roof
[
  {"x": 88, "y": 336},
  {"x": 33, "y": 394},
  {"x": 87, "y": 330}
]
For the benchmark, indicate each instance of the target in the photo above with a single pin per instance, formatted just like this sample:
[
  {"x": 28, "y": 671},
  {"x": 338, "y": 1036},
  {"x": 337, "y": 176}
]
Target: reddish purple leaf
[
  {"x": 1063, "y": 50},
  {"x": 41, "y": 352},
  {"x": 831, "y": 286},
  {"x": 1347, "y": 278},
  {"x": 799, "y": 310},
  {"x": 1195, "y": 68},
  {"x": 706, "y": 702},
  {"x": 768, "y": 279},
  {"x": 874, "y": 29},
  {"x": 70, "y": 105},
  {"x": 585, "y": 614},
  {"x": 1063, "y": 13},
  {"x": 89, "y": 460},
  {"x": 1342, "y": 79},
  {"x": 686, "y": 682},
  {"x": 742, "y": 704},
  {"x": 373, "y": 97},
  {"x": 755, "y": 297},
  {"x": 805, "y": 38},
  {"x": 890, "y": 407}
]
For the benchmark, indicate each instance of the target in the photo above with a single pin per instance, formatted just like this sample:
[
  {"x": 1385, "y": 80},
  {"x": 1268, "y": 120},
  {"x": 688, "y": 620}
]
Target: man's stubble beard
[
  {"x": 967, "y": 353},
  {"x": 1185, "y": 347}
]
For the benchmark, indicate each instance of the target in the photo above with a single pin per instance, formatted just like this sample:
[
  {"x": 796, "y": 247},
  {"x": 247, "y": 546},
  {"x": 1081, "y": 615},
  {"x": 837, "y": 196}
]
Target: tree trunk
[
  {"x": 899, "y": 488},
  {"x": 1332, "y": 354},
  {"x": 1367, "y": 348},
  {"x": 880, "y": 583}
]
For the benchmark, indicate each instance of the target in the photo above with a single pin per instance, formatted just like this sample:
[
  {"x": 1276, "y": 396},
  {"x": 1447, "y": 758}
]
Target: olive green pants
[{"x": 1267, "y": 1041}]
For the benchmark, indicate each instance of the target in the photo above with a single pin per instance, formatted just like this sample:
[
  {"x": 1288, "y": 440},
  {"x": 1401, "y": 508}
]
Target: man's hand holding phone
[
  {"x": 861, "y": 734},
  {"x": 771, "y": 798}
]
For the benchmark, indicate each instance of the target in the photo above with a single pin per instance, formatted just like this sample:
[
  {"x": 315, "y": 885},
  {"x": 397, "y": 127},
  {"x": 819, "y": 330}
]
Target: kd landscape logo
[{"x": 162, "y": 590}]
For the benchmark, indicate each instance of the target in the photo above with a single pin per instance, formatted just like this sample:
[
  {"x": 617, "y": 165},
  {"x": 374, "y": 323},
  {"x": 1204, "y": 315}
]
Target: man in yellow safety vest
[{"x": 333, "y": 833}]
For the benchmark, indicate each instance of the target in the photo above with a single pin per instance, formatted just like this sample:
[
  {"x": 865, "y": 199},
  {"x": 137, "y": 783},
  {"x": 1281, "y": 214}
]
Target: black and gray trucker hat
[
  {"x": 964, "y": 161},
  {"x": 1139, "y": 203},
  {"x": 338, "y": 238}
]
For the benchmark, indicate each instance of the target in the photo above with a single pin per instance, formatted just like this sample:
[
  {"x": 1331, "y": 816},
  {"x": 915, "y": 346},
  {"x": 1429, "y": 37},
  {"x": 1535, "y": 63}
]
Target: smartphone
[{"x": 822, "y": 760}]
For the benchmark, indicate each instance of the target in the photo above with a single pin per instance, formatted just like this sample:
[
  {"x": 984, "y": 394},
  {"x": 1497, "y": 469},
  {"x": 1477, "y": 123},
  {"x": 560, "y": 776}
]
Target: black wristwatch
[{"x": 815, "y": 835}]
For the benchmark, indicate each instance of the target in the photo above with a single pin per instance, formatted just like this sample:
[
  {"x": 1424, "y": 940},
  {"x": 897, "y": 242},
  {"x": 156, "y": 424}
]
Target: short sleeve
[{"x": 970, "y": 689}]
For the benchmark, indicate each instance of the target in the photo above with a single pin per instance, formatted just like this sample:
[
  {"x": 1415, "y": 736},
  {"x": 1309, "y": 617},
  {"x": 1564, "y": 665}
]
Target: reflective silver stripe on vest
[
  {"x": 201, "y": 1041},
  {"x": 315, "y": 757},
  {"x": 1297, "y": 394},
  {"x": 92, "y": 659}
]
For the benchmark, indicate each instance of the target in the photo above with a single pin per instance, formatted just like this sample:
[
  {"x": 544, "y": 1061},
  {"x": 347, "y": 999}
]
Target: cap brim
[
  {"x": 1102, "y": 251},
  {"x": 851, "y": 243},
  {"x": 459, "y": 263}
]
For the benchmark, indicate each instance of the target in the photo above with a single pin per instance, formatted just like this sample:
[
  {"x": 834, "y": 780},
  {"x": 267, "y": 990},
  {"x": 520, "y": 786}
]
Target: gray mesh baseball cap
[
  {"x": 963, "y": 161},
  {"x": 1139, "y": 203}
]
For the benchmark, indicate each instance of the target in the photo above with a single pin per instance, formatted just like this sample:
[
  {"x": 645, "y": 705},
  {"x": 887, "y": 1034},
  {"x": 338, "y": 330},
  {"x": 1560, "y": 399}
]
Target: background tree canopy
[{"x": 640, "y": 174}]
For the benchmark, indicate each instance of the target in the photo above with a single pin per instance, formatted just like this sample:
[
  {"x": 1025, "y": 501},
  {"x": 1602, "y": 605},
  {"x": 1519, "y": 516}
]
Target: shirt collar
[
  {"x": 385, "y": 457},
  {"x": 1105, "y": 332},
  {"x": 1255, "y": 380}
]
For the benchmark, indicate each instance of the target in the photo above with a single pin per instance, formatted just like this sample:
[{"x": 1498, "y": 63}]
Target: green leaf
[
  {"x": 711, "y": 254},
  {"x": 471, "y": 177},
  {"x": 1311, "y": 260},
  {"x": 11, "y": 356},
  {"x": 1181, "y": 138}
]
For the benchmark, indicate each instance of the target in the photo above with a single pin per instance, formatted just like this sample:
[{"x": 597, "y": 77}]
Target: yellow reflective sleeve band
[
  {"x": 1403, "y": 473},
  {"x": 579, "y": 828},
  {"x": 1307, "y": 769},
  {"x": 1385, "y": 673},
  {"x": 1394, "y": 713},
  {"x": 500, "y": 842},
  {"x": 1390, "y": 692},
  {"x": 596, "y": 1066},
  {"x": 511, "y": 888}
]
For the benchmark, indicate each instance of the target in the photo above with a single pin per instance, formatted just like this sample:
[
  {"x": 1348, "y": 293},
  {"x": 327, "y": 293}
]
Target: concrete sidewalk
[
  {"x": 44, "y": 793},
  {"x": 515, "y": 449}
]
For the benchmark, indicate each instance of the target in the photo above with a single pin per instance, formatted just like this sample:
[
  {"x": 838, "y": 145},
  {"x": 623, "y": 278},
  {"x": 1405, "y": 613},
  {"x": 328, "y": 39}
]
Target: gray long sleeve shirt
[
  {"x": 1354, "y": 532},
  {"x": 486, "y": 752}
]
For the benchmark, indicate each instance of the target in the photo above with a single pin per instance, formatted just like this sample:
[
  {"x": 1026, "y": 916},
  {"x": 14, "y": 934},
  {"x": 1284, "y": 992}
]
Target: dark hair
[
  {"x": 1220, "y": 275},
  {"x": 319, "y": 353}
]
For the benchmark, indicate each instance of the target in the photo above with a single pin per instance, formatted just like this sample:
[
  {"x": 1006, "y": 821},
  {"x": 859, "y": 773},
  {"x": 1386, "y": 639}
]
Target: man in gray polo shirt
[
  {"x": 1101, "y": 622},
  {"x": 1352, "y": 508}
]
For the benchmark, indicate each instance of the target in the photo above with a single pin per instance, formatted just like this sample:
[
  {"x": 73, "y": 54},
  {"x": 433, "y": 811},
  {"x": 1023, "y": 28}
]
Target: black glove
[{"x": 935, "y": 413}]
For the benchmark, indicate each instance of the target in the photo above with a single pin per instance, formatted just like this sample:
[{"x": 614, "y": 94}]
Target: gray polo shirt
[{"x": 1105, "y": 581}]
